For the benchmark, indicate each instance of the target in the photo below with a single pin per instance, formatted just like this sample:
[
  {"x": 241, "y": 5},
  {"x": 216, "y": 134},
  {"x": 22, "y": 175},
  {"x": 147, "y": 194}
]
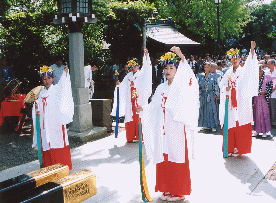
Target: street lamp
[
  {"x": 217, "y": 2},
  {"x": 75, "y": 13}
]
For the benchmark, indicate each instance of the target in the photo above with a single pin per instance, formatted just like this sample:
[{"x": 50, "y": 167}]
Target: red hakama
[
  {"x": 57, "y": 155},
  {"x": 240, "y": 137},
  {"x": 174, "y": 177}
]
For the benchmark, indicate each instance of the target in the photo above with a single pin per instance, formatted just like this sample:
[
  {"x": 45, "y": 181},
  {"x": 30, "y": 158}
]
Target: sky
[{"x": 267, "y": 1}]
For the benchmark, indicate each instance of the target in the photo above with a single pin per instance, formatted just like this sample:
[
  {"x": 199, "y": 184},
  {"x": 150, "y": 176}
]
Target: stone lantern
[{"x": 75, "y": 13}]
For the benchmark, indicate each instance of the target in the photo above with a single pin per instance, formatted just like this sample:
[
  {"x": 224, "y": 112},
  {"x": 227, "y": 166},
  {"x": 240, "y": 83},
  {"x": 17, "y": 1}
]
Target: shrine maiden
[
  {"x": 56, "y": 108},
  {"x": 135, "y": 89},
  {"x": 241, "y": 84},
  {"x": 168, "y": 123}
]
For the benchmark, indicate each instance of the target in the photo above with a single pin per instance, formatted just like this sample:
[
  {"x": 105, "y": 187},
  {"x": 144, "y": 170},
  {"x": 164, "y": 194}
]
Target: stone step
[{"x": 90, "y": 135}]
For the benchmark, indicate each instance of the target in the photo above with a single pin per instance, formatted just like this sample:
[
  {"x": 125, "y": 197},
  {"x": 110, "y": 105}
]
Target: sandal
[
  {"x": 174, "y": 198},
  {"x": 165, "y": 196}
]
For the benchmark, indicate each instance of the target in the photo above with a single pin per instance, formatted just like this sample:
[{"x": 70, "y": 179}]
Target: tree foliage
[
  {"x": 124, "y": 28},
  {"x": 31, "y": 39},
  {"x": 262, "y": 26},
  {"x": 198, "y": 18}
]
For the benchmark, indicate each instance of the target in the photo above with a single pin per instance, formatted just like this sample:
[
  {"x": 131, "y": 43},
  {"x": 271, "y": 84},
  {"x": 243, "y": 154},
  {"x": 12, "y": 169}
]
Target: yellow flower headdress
[
  {"x": 233, "y": 53},
  {"x": 133, "y": 62},
  {"x": 46, "y": 70},
  {"x": 169, "y": 58}
]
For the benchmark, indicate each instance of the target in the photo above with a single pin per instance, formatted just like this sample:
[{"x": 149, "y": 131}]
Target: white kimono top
[
  {"x": 56, "y": 108},
  {"x": 172, "y": 109},
  {"x": 246, "y": 82},
  {"x": 142, "y": 81}
]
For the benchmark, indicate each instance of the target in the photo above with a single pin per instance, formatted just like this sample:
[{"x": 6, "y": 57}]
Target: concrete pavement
[{"x": 214, "y": 179}]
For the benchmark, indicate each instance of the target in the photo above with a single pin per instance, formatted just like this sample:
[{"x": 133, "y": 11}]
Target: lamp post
[
  {"x": 217, "y": 2},
  {"x": 75, "y": 13}
]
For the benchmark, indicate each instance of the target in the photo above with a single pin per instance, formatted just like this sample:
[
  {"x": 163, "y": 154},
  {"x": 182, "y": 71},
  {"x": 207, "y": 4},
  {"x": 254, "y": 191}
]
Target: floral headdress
[
  {"x": 233, "y": 53},
  {"x": 46, "y": 70},
  {"x": 169, "y": 58},
  {"x": 133, "y": 62}
]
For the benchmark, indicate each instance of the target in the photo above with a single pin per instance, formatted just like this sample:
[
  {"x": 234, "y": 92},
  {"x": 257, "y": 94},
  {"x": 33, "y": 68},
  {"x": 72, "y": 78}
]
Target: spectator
[
  {"x": 261, "y": 107},
  {"x": 272, "y": 101},
  {"x": 193, "y": 64},
  {"x": 208, "y": 91},
  {"x": 208, "y": 58},
  {"x": 58, "y": 68},
  {"x": 123, "y": 73},
  {"x": 6, "y": 72},
  {"x": 88, "y": 74},
  {"x": 218, "y": 74}
]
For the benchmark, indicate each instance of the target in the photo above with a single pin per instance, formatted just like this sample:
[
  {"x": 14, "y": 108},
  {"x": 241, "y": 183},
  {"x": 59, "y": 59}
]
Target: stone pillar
[{"x": 82, "y": 120}]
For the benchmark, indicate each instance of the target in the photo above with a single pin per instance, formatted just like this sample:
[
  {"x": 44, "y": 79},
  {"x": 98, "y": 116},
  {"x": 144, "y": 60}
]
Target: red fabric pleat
[
  {"x": 174, "y": 177},
  {"x": 132, "y": 127},
  {"x": 240, "y": 137},
  {"x": 233, "y": 98}
]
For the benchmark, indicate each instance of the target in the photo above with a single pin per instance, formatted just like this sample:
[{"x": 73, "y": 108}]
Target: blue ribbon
[
  {"x": 225, "y": 134},
  {"x": 38, "y": 140},
  {"x": 117, "y": 114}
]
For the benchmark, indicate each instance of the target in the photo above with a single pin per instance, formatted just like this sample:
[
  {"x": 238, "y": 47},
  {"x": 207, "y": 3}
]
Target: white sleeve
[
  {"x": 183, "y": 99},
  {"x": 145, "y": 79},
  {"x": 65, "y": 98},
  {"x": 250, "y": 79}
]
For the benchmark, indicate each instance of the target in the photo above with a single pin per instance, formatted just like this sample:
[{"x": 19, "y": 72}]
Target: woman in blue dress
[{"x": 208, "y": 94}]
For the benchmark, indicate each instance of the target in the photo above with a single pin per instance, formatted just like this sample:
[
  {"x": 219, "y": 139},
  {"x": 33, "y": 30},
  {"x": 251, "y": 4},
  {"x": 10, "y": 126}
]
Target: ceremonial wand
[
  {"x": 143, "y": 181},
  {"x": 225, "y": 137},
  {"x": 38, "y": 139},
  {"x": 117, "y": 108}
]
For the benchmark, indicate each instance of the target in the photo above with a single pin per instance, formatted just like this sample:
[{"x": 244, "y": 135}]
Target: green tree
[
  {"x": 31, "y": 39},
  {"x": 262, "y": 26},
  {"x": 5, "y": 5},
  {"x": 198, "y": 18},
  {"x": 124, "y": 28}
]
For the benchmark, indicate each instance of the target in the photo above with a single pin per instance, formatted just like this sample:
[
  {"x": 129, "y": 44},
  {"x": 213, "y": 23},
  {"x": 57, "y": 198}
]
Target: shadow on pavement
[
  {"x": 125, "y": 154},
  {"x": 247, "y": 171}
]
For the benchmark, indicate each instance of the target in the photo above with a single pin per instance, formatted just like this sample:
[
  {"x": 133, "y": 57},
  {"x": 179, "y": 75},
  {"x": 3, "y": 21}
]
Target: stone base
[
  {"x": 82, "y": 120},
  {"x": 90, "y": 135}
]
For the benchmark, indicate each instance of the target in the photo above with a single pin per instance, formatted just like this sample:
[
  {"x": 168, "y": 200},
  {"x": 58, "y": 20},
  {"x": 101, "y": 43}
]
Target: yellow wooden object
[{"x": 78, "y": 187}]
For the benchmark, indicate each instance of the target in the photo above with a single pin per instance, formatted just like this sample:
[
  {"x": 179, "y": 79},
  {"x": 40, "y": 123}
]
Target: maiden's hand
[
  {"x": 263, "y": 92},
  {"x": 178, "y": 51},
  {"x": 227, "y": 89},
  {"x": 117, "y": 82},
  {"x": 33, "y": 97},
  {"x": 139, "y": 109},
  {"x": 146, "y": 52},
  {"x": 253, "y": 45},
  {"x": 66, "y": 69}
]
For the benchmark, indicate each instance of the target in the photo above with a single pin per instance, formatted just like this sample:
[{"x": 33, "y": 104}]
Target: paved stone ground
[{"x": 17, "y": 150}]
